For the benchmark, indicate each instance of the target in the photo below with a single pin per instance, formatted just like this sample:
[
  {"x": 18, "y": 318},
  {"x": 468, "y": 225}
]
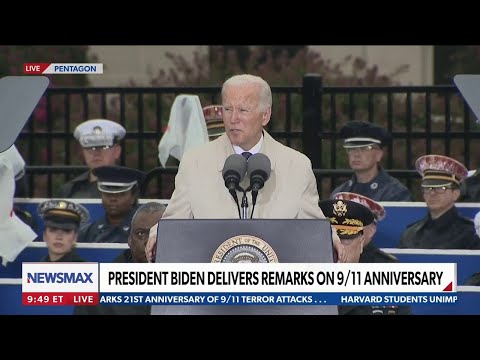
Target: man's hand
[
  {"x": 152, "y": 241},
  {"x": 337, "y": 244}
]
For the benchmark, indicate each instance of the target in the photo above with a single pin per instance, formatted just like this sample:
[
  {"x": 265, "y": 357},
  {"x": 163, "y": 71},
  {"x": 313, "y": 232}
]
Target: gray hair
[
  {"x": 247, "y": 79},
  {"x": 149, "y": 208}
]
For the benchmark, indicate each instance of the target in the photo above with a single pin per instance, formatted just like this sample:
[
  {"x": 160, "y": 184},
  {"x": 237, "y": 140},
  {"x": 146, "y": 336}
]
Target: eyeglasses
[
  {"x": 436, "y": 190},
  {"x": 361, "y": 149},
  {"x": 99, "y": 148}
]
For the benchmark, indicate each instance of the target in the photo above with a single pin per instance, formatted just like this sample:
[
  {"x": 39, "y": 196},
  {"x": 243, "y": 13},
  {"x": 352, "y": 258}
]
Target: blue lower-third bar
[{"x": 277, "y": 298}]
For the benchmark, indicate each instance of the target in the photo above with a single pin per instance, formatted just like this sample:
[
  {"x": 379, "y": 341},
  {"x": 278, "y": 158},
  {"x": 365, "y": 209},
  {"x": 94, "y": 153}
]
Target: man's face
[
  {"x": 243, "y": 115},
  {"x": 139, "y": 233},
  {"x": 353, "y": 248},
  {"x": 364, "y": 158},
  {"x": 59, "y": 241},
  {"x": 440, "y": 199},
  {"x": 101, "y": 156}
]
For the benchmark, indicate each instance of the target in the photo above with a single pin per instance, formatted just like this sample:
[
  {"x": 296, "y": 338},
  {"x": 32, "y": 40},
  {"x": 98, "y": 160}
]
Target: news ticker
[
  {"x": 238, "y": 284},
  {"x": 65, "y": 68}
]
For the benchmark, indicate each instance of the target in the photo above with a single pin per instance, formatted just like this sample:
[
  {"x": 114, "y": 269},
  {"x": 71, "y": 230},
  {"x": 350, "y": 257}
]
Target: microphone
[
  {"x": 258, "y": 170},
  {"x": 233, "y": 172}
]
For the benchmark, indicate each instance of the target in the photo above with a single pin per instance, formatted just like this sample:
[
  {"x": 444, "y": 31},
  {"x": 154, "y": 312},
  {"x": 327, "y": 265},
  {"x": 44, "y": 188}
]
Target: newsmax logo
[
  {"x": 56, "y": 68},
  {"x": 60, "y": 277}
]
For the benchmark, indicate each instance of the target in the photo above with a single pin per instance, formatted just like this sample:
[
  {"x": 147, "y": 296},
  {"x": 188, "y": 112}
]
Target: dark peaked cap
[
  {"x": 377, "y": 209},
  {"x": 116, "y": 179},
  {"x": 346, "y": 216},
  {"x": 362, "y": 133},
  {"x": 63, "y": 214},
  {"x": 213, "y": 115}
]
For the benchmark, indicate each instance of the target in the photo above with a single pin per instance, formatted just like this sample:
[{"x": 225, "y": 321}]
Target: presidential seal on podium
[
  {"x": 240, "y": 241},
  {"x": 244, "y": 249}
]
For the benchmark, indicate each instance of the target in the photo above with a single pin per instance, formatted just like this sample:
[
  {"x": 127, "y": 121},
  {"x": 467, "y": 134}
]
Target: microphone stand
[
  {"x": 254, "y": 198},
  {"x": 244, "y": 203}
]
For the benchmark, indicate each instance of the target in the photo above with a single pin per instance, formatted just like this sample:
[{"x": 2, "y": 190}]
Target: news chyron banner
[
  {"x": 57, "y": 68},
  {"x": 238, "y": 284}
]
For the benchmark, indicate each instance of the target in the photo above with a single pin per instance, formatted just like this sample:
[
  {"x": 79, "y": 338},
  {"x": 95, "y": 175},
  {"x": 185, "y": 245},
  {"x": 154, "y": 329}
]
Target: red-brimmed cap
[
  {"x": 440, "y": 170},
  {"x": 213, "y": 115}
]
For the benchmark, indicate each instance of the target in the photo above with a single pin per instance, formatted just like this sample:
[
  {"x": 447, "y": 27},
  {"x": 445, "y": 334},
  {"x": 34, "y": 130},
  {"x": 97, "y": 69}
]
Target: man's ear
[
  {"x": 379, "y": 156},
  {"x": 456, "y": 194},
  {"x": 118, "y": 151},
  {"x": 267, "y": 114}
]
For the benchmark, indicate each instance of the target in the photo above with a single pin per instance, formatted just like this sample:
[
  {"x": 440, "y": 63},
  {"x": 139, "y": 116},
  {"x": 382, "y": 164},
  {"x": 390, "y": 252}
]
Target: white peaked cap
[
  {"x": 99, "y": 132},
  {"x": 18, "y": 164},
  {"x": 15, "y": 235},
  {"x": 186, "y": 128}
]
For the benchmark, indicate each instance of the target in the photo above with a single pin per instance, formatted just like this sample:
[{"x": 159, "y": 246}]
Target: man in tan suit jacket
[{"x": 200, "y": 192}]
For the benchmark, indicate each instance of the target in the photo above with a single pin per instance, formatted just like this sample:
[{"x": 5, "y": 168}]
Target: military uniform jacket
[
  {"x": 80, "y": 188},
  {"x": 470, "y": 188},
  {"x": 124, "y": 257},
  {"x": 200, "y": 192},
  {"x": 449, "y": 231},
  {"x": 382, "y": 188},
  {"x": 372, "y": 254},
  {"x": 101, "y": 231},
  {"x": 72, "y": 256}
]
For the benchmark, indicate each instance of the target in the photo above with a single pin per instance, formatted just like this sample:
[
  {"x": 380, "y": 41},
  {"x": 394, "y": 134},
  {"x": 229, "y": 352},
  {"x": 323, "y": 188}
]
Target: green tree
[
  {"x": 279, "y": 66},
  {"x": 452, "y": 60}
]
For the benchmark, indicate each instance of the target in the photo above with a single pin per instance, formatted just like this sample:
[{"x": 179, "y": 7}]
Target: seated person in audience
[
  {"x": 364, "y": 143},
  {"x": 120, "y": 188},
  {"x": 370, "y": 253},
  {"x": 349, "y": 219},
  {"x": 100, "y": 142},
  {"x": 144, "y": 218},
  {"x": 62, "y": 220},
  {"x": 443, "y": 227}
]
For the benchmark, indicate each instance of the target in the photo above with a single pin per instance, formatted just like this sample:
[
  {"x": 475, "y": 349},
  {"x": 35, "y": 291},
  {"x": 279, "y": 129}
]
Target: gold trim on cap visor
[
  {"x": 440, "y": 177},
  {"x": 346, "y": 227},
  {"x": 65, "y": 213}
]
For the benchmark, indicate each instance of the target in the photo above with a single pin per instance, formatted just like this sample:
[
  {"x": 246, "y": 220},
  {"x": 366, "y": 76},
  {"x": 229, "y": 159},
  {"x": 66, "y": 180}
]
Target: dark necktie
[{"x": 246, "y": 154}]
